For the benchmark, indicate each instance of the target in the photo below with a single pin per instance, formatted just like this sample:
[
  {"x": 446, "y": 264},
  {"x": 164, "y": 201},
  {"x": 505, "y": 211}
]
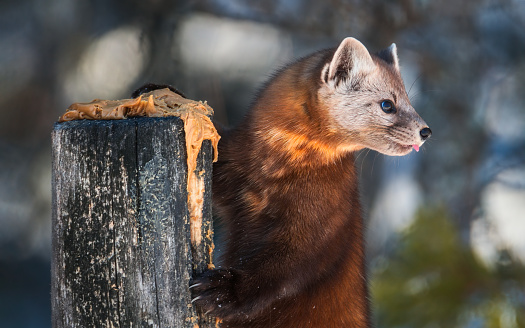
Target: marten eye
[{"x": 388, "y": 107}]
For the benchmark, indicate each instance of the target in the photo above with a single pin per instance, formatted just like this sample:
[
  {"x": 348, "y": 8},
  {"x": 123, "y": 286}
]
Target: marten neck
[{"x": 290, "y": 119}]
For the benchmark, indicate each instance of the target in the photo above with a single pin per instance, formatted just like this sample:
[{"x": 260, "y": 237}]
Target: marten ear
[
  {"x": 350, "y": 59},
  {"x": 389, "y": 55}
]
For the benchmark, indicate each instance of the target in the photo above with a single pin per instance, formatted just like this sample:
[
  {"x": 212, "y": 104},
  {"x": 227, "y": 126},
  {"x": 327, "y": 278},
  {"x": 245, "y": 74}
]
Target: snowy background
[{"x": 455, "y": 211}]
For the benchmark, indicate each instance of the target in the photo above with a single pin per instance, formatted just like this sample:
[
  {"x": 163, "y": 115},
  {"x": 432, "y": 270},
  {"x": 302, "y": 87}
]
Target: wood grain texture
[{"x": 122, "y": 255}]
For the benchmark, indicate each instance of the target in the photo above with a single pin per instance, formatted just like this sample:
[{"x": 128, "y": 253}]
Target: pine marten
[{"x": 287, "y": 191}]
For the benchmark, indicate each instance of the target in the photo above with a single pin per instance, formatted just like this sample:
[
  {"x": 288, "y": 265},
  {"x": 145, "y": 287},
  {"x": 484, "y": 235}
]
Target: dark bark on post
[{"x": 122, "y": 254}]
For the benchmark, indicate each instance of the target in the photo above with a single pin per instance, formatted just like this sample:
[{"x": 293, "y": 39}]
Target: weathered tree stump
[{"x": 122, "y": 255}]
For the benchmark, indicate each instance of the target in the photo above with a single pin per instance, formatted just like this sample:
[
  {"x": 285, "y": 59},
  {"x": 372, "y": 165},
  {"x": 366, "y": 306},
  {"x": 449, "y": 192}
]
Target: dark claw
[{"x": 213, "y": 293}]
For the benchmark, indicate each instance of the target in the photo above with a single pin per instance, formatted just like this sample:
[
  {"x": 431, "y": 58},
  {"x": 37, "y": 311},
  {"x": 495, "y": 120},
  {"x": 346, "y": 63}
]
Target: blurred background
[{"x": 446, "y": 226}]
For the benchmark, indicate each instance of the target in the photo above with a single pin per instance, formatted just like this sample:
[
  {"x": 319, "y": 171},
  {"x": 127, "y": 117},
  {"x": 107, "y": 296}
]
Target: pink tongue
[{"x": 416, "y": 147}]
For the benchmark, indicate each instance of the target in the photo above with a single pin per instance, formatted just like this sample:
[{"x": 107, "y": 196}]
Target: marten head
[{"x": 366, "y": 102}]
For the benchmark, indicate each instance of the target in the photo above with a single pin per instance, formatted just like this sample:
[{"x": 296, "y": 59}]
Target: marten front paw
[{"x": 213, "y": 292}]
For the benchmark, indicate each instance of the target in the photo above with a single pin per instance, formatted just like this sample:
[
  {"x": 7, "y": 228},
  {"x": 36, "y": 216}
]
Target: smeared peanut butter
[{"x": 164, "y": 103}]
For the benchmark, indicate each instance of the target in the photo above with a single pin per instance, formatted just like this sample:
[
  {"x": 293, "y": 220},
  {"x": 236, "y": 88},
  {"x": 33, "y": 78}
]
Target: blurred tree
[{"x": 433, "y": 280}]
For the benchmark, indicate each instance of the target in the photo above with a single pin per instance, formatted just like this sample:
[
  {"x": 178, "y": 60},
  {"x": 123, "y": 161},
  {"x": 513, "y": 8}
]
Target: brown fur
[{"x": 286, "y": 188}]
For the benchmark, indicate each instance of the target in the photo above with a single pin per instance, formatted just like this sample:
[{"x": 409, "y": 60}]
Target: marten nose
[{"x": 425, "y": 133}]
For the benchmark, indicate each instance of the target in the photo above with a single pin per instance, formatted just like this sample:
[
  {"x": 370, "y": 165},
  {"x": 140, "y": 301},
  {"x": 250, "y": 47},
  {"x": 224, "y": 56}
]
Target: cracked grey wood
[{"x": 121, "y": 239}]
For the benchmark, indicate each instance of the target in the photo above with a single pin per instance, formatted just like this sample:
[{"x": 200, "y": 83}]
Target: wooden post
[{"x": 122, "y": 255}]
